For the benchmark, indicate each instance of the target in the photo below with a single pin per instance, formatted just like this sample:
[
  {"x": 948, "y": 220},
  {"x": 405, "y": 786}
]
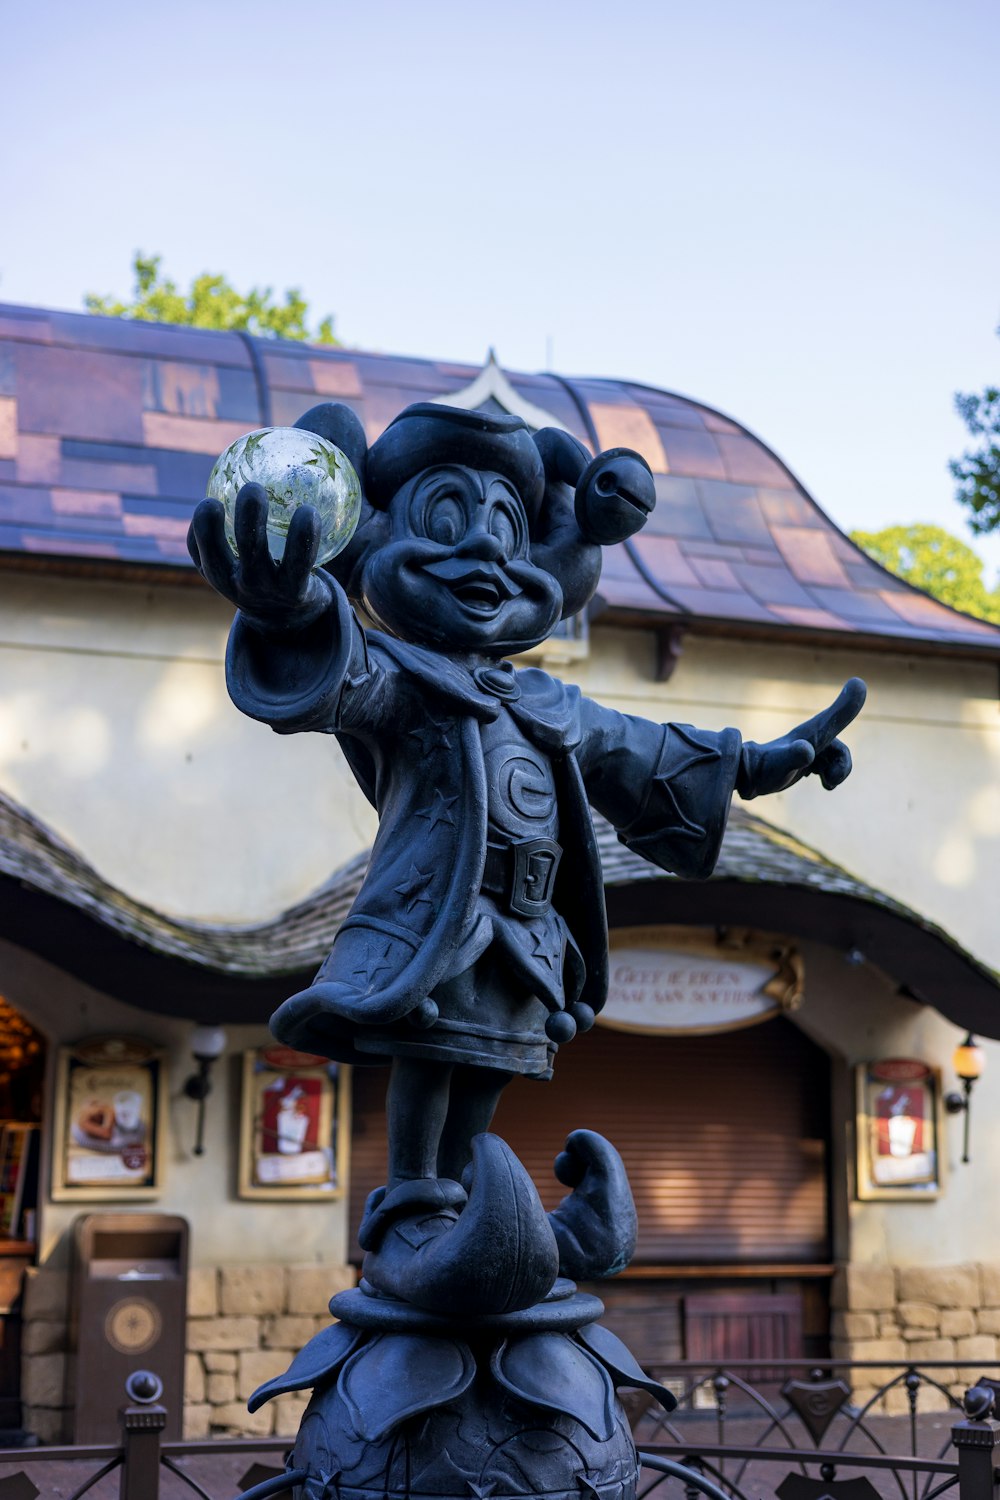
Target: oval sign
[{"x": 661, "y": 985}]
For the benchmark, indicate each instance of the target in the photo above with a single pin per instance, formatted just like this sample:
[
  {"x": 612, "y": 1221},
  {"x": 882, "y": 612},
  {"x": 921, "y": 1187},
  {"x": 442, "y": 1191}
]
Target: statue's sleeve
[
  {"x": 666, "y": 788},
  {"x": 321, "y": 678}
]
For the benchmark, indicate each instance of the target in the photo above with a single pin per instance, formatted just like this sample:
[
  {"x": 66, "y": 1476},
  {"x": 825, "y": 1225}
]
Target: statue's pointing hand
[
  {"x": 812, "y": 749},
  {"x": 273, "y": 595}
]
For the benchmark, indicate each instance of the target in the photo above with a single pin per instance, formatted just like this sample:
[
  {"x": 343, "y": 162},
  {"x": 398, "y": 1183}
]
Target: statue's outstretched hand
[
  {"x": 812, "y": 749},
  {"x": 284, "y": 595}
]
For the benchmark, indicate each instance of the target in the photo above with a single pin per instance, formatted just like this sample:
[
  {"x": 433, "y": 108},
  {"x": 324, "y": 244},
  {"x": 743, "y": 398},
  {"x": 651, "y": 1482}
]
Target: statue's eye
[
  {"x": 504, "y": 526},
  {"x": 444, "y": 520}
]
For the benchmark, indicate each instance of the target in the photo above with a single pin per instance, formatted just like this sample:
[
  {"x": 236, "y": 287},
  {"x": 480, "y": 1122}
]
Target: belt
[{"x": 522, "y": 874}]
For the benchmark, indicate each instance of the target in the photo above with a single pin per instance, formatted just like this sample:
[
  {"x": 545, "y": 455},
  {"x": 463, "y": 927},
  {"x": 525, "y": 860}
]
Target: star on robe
[
  {"x": 439, "y": 810},
  {"x": 481, "y": 1491},
  {"x": 370, "y": 971},
  {"x": 413, "y": 888},
  {"x": 588, "y": 1490},
  {"x": 682, "y": 826},
  {"x": 543, "y": 950},
  {"x": 431, "y": 735}
]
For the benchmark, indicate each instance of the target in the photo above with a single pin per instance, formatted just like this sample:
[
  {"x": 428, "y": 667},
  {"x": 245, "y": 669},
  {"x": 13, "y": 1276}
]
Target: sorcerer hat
[{"x": 425, "y": 435}]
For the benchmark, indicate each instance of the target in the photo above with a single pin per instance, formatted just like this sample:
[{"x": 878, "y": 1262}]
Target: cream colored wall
[
  {"x": 856, "y": 1014},
  {"x": 919, "y": 819},
  {"x": 225, "y": 1229},
  {"x": 920, "y": 816},
  {"x": 115, "y": 728}
]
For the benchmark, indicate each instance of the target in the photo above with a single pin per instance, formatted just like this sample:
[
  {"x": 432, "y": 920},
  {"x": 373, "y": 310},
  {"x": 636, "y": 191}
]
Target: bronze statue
[{"x": 477, "y": 946}]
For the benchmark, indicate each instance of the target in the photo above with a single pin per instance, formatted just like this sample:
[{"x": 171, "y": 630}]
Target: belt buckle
[{"x": 535, "y": 864}]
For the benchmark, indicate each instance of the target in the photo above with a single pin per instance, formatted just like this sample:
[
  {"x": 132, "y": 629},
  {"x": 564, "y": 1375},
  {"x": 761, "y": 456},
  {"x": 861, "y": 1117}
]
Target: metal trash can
[{"x": 128, "y": 1313}]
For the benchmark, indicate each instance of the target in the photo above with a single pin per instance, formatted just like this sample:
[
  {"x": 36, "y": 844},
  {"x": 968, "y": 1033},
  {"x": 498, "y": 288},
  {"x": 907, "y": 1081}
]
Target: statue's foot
[
  {"x": 595, "y": 1225},
  {"x": 497, "y": 1255},
  {"x": 421, "y": 1197}
]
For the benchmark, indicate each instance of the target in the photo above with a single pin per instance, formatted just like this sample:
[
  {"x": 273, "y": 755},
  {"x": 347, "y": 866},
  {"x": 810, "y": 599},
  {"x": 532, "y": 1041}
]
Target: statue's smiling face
[{"x": 457, "y": 570}]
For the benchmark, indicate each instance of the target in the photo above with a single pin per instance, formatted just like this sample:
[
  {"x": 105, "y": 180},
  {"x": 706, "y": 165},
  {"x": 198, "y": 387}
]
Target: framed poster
[
  {"x": 898, "y": 1130},
  {"x": 109, "y": 1121},
  {"x": 295, "y": 1125}
]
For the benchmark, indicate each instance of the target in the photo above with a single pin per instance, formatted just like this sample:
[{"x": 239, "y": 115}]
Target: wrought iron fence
[
  {"x": 789, "y": 1429},
  {"x": 739, "y": 1432},
  {"x": 142, "y": 1458}
]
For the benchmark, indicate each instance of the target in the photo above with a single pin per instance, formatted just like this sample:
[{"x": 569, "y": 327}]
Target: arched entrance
[{"x": 726, "y": 1142}]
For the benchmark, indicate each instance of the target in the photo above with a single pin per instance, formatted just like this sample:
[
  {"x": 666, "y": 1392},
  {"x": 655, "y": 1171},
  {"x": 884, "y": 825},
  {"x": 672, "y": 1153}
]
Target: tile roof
[
  {"x": 108, "y": 429},
  {"x": 240, "y": 972}
]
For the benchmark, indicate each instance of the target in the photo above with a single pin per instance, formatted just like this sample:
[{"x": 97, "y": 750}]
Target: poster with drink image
[
  {"x": 898, "y": 1127},
  {"x": 108, "y": 1107},
  {"x": 291, "y": 1125}
]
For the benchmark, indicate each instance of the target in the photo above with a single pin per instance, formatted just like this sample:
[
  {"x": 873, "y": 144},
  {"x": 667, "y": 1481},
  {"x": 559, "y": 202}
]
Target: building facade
[{"x": 166, "y": 863}]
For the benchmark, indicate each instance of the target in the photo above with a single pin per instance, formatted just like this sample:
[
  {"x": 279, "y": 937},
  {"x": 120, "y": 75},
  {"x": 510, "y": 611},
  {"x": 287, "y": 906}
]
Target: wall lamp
[
  {"x": 969, "y": 1061},
  {"x": 207, "y": 1045}
]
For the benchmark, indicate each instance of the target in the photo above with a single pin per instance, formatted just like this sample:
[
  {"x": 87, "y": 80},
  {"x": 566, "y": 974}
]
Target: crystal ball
[{"x": 295, "y": 468}]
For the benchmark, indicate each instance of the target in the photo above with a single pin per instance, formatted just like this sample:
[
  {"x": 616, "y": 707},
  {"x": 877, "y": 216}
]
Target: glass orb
[{"x": 295, "y": 468}]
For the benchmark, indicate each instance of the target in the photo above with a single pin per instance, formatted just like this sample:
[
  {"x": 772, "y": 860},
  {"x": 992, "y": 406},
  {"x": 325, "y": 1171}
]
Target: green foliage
[
  {"x": 212, "y": 303},
  {"x": 935, "y": 561},
  {"x": 978, "y": 470}
]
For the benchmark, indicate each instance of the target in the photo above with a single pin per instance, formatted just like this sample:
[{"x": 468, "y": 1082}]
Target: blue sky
[{"x": 787, "y": 210}]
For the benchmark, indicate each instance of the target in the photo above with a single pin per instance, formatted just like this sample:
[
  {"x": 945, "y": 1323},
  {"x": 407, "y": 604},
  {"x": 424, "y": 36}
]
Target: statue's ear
[
  {"x": 563, "y": 456},
  {"x": 557, "y": 543},
  {"x": 341, "y": 426}
]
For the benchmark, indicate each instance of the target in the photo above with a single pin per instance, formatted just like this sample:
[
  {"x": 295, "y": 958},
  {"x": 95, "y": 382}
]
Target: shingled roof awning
[
  {"x": 109, "y": 428},
  {"x": 54, "y": 903}
]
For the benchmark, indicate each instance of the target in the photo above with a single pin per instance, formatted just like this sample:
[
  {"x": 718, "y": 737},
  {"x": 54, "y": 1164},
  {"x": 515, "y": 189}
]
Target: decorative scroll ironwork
[{"x": 811, "y": 1427}]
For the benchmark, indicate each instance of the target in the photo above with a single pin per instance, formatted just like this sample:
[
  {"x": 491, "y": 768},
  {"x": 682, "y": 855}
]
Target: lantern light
[
  {"x": 207, "y": 1045},
  {"x": 969, "y": 1062}
]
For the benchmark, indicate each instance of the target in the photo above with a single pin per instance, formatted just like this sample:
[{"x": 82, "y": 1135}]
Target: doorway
[{"x": 22, "y": 1090}]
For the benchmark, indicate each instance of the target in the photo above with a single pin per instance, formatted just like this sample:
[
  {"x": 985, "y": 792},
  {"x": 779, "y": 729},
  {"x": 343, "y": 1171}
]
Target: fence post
[
  {"x": 976, "y": 1442},
  {"x": 142, "y": 1422}
]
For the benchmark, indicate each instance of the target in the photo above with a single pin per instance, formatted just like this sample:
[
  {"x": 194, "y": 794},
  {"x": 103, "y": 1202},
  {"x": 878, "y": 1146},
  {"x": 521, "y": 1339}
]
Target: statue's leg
[
  {"x": 417, "y": 1106},
  {"x": 475, "y": 1094}
]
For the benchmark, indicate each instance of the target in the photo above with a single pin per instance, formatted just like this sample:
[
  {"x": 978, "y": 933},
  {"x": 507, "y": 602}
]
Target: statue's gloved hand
[
  {"x": 811, "y": 749},
  {"x": 286, "y": 595}
]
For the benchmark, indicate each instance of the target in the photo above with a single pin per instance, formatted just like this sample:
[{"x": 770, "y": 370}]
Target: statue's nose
[{"x": 482, "y": 545}]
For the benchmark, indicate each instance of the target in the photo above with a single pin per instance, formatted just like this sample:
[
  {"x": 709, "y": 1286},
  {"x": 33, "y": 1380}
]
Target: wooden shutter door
[{"x": 724, "y": 1138}]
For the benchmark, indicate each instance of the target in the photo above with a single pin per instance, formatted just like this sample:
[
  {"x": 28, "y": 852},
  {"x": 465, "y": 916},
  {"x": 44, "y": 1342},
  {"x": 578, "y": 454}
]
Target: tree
[
  {"x": 978, "y": 470},
  {"x": 212, "y": 302},
  {"x": 935, "y": 561}
]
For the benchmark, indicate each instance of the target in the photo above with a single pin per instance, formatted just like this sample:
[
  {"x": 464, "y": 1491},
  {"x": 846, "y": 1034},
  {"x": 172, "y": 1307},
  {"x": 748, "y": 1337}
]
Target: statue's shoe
[
  {"x": 497, "y": 1255},
  {"x": 595, "y": 1225},
  {"x": 420, "y": 1198}
]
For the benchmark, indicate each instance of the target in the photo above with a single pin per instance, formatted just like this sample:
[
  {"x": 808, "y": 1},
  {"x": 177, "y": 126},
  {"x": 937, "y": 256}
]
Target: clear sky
[{"x": 785, "y": 208}]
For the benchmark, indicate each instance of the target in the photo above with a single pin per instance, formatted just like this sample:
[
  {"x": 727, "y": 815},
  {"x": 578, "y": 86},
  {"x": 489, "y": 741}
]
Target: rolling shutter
[{"x": 723, "y": 1136}]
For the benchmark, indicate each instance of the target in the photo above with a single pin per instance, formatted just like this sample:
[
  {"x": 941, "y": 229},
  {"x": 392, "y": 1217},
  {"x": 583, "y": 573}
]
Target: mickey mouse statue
[{"x": 477, "y": 946}]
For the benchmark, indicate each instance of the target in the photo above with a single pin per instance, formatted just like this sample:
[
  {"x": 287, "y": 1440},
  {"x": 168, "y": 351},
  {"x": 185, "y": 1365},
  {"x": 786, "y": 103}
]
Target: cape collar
[{"x": 544, "y": 706}]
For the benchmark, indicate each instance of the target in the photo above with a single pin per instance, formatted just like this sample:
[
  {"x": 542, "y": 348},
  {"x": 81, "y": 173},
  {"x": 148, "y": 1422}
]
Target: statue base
[{"x": 410, "y": 1403}]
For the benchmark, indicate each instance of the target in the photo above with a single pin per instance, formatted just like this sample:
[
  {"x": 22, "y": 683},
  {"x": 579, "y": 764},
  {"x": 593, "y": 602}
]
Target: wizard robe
[{"x": 408, "y": 720}]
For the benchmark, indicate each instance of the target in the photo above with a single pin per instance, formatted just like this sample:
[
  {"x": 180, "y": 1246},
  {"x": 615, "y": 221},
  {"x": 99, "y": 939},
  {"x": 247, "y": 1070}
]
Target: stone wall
[
  {"x": 918, "y": 1314},
  {"x": 245, "y": 1324}
]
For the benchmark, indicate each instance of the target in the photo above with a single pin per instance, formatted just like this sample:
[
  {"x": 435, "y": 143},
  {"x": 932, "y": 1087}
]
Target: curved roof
[
  {"x": 227, "y": 973},
  {"x": 108, "y": 430}
]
